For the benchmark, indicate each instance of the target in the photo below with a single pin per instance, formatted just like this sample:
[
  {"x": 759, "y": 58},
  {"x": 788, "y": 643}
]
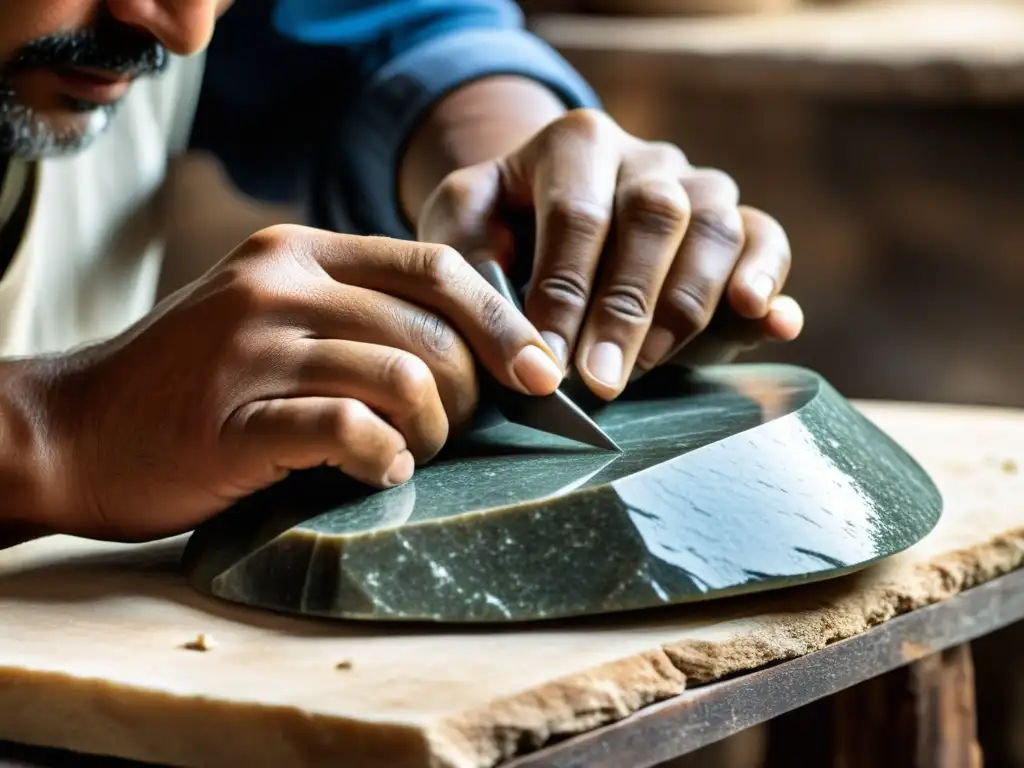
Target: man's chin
[{"x": 32, "y": 135}]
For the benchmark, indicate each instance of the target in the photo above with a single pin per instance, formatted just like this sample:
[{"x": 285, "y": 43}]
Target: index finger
[
  {"x": 571, "y": 172},
  {"x": 438, "y": 278}
]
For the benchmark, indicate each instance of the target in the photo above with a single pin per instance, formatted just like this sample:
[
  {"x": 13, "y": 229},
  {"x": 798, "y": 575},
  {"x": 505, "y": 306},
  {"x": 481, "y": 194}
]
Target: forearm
[
  {"x": 482, "y": 120},
  {"x": 28, "y": 483}
]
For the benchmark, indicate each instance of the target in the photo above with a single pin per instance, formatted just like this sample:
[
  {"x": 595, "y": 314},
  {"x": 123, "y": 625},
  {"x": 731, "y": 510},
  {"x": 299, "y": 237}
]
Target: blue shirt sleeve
[{"x": 341, "y": 85}]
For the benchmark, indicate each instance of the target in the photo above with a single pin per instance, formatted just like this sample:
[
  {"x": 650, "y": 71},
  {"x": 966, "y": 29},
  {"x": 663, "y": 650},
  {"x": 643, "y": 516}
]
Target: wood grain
[{"x": 93, "y": 656}]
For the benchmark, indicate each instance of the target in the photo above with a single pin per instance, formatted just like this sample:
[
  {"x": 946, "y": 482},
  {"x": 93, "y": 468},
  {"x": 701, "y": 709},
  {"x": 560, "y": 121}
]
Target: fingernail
[
  {"x": 762, "y": 286},
  {"x": 659, "y": 342},
  {"x": 558, "y": 346},
  {"x": 786, "y": 317},
  {"x": 605, "y": 363},
  {"x": 401, "y": 469},
  {"x": 535, "y": 372}
]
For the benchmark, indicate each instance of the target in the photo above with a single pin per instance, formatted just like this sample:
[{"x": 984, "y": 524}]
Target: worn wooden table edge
[
  {"x": 710, "y": 713},
  {"x": 713, "y": 712}
]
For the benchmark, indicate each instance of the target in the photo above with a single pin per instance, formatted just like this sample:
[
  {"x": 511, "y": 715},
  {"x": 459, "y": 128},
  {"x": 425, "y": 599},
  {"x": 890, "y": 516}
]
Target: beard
[
  {"x": 27, "y": 135},
  {"x": 108, "y": 46}
]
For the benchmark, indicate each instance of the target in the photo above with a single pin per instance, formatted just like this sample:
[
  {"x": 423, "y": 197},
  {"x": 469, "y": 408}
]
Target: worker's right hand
[{"x": 300, "y": 349}]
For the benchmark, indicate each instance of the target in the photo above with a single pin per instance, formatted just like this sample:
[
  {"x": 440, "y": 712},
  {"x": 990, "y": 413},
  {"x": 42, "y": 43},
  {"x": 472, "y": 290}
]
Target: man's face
[{"x": 66, "y": 64}]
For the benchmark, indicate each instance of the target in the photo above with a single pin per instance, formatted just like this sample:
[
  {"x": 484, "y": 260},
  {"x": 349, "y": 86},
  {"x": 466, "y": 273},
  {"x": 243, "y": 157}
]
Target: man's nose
[{"x": 182, "y": 26}]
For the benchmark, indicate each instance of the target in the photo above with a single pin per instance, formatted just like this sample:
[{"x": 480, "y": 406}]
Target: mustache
[{"x": 109, "y": 46}]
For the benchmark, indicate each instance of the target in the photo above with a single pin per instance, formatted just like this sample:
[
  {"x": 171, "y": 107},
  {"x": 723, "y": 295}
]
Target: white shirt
[{"x": 89, "y": 263}]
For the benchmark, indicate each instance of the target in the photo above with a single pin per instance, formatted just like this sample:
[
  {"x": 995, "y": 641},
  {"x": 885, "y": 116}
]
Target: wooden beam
[{"x": 919, "y": 716}]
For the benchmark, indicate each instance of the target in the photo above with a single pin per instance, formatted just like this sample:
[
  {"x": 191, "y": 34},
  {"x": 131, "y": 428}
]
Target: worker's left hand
[{"x": 635, "y": 249}]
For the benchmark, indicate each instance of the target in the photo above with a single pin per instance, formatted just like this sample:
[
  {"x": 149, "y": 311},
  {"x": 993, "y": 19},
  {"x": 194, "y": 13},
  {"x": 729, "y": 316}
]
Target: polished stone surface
[{"x": 734, "y": 479}]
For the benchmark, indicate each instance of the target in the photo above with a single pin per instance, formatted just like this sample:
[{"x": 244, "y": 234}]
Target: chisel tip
[{"x": 575, "y": 424}]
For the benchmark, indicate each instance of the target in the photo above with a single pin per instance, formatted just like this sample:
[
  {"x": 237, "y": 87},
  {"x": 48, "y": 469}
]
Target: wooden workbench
[{"x": 93, "y": 657}]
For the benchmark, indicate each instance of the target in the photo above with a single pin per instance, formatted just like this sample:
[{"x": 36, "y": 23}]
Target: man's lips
[{"x": 93, "y": 85}]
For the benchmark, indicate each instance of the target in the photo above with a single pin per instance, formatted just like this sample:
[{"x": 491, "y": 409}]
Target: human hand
[
  {"x": 301, "y": 348},
  {"x": 635, "y": 249}
]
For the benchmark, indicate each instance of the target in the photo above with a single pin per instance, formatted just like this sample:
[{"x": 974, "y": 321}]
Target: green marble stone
[{"x": 732, "y": 480}]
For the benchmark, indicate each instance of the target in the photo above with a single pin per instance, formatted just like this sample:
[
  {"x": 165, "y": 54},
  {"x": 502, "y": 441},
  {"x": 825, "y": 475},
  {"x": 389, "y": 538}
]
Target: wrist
[{"x": 32, "y": 475}]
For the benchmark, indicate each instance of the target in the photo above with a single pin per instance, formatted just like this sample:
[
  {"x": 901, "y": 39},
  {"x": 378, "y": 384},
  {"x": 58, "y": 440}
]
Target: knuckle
[
  {"x": 586, "y": 124},
  {"x": 578, "y": 217},
  {"x": 718, "y": 226},
  {"x": 628, "y": 303},
  {"x": 439, "y": 265},
  {"x": 654, "y": 210},
  {"x": 276, "y": 238},
  {"x": 458, "y": 211},
  {"x": 669, "y": 155},
  {"x": 264, "y": 254},
  {"x": 457, "y": 192},
  {"x": 690, "y": 306},
  {"x": 494, "y": 315},
  {"x": 565, "y": 288},
  {"x": 344, "y": 420},
  {"x": 766, "y": 229},
  {"x": 433, "y": 335},
  {"x": 409, "y": 380},
  {"x": 719, "y": 185}
]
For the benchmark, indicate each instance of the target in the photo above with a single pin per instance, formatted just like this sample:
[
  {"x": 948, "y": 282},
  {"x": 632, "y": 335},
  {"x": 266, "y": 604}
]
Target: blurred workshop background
[{"x": 888, "y": 138}]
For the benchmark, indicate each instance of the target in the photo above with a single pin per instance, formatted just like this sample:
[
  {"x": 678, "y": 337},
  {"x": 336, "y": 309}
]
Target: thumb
[{"x": 463, "y": 212}]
